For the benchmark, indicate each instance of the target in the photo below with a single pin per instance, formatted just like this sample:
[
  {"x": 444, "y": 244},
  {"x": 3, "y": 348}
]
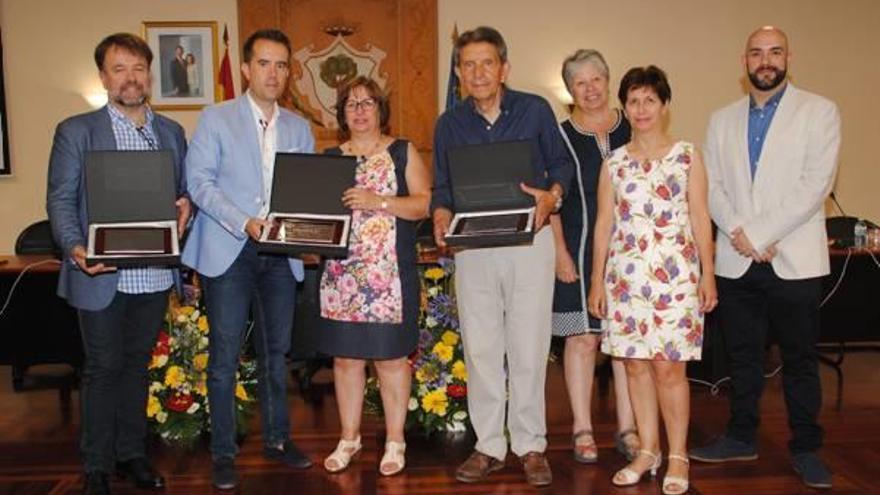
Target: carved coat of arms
[{"x": 330, "y": 68}]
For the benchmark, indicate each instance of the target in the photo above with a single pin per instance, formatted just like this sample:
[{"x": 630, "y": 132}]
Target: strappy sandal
[
  {"x": 585, "y": 453},
  {"x": 628, "y": 476},
  {"x": 394, "y": 456},
  {"x": 675, "y": 481},
  {"x": 626, "y": 449},
  {"x": 346, "y": 450}
]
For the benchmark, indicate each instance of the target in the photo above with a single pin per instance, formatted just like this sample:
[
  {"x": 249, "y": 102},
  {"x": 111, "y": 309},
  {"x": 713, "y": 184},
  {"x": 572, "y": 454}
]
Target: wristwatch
[{"x": 558, "y": 195}]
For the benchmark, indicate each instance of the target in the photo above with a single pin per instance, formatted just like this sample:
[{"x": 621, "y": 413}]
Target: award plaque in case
[
  {"x": 491, "y": 210},
  {"x": 132, "y": 216},
  {"x": 306, "y": 209}
]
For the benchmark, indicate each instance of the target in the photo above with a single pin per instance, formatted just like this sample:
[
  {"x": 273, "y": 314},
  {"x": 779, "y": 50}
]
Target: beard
[
  {"x": 768, "y": 84},
  {"x": 130, "y": 99}
]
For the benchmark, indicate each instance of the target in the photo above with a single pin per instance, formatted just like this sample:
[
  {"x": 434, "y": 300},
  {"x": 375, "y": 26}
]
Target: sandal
[
  {"x": 628, "y": 476},
  {"x": 585, "y": 453},
  {"x": 675, "y": 485},
  {"x": 394, "y": 456},
  {"x": 346, "y": 450},
  {"x": 628, "y": 449}
]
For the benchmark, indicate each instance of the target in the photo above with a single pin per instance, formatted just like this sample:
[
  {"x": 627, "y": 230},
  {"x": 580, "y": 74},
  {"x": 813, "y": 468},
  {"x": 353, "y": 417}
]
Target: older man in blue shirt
[{"x": 504, "y": 294}]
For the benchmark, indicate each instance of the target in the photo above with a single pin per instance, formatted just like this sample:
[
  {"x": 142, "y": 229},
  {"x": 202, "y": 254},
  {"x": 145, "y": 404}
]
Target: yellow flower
[
  {"x": 203, "y": 324},
  {"x": 443, "y": 351},
  {"x": 434, "y": 274},
  {"x": 158, "y": 361},
  {"x": 459, "y": 371},
  {"x": 449, "y": 338},
  {"x": 153, "y": 406},
  {"x": 200, "y": 361},
  {"x": 240, "y": 392},
  {"x": 435, "y": 401},
  {"x": 174, "y": 377},
  {"x": 202, "y": 388},
  {"x": 187, "y": 310}
]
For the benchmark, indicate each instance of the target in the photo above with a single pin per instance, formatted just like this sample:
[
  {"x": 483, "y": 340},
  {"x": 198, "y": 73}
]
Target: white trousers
[{"x": 505, "y": 302}]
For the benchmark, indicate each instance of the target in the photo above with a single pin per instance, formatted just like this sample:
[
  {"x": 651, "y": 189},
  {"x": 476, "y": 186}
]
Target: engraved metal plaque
[
  {"x": 309, "y": 230},
  {"x": 133, "y": 240},
  {"x": 495, "y": 224}
]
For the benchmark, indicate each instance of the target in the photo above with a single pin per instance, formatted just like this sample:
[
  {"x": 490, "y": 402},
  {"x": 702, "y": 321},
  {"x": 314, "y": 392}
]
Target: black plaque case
[
  {"x": 308, "y": 187},
  {"x": 485, "y": 181},
  {"x": 130, "y": 201}
]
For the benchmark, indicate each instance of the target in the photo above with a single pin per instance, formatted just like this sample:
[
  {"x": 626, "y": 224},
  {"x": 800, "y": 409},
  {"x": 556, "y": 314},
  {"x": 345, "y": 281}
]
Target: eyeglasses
[{"x": 353, "y": 106}]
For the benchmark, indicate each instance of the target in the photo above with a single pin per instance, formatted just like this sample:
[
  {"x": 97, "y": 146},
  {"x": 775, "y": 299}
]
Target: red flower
[
  {"x": 643, "y": 244},
  {"x": 688, "y": 252},
  {"x": 661, "y": 275},
  {"x": 662, "y": 191},
  {"x": 179, "y": 402},
  {"x": 618, "y": 317},
  {"x": 657, "y": 320},
  {"x": 456, "y": 391},
  {"x": 679, "y": 297},
  {"x": 643, "y": 327},
  {"x": 646, "y": 166}
]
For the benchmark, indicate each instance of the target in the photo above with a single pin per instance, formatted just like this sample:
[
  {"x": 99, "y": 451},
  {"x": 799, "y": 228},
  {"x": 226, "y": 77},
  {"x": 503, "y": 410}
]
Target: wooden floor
[{"x": 38, "y": 448}]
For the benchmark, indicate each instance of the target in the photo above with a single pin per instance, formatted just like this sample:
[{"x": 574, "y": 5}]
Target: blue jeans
[{"x": 267, "y": 282}]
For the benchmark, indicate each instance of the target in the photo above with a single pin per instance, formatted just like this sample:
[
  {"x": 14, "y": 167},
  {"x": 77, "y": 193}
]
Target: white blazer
[{"x": 785, "y": 202}]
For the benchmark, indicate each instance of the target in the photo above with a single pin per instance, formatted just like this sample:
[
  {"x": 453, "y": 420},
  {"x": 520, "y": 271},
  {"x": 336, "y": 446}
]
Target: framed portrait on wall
[
  {"x": 185, "y": 61},
  {"x": 5, "y": 169}
]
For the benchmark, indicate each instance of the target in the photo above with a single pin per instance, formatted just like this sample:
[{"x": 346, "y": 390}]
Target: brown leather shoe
[
  {"x": 477, "y": 467},
  {"x": 537, "y": 469}
]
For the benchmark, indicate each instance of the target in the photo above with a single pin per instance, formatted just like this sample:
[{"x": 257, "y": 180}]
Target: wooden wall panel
[{"x": 406, "y": 30}]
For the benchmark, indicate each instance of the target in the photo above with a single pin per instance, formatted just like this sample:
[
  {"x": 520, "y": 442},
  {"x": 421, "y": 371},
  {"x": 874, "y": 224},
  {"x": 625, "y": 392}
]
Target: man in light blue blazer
[
  {"x": 229, "y": 172},
  {"x": 120, "y": 312}
]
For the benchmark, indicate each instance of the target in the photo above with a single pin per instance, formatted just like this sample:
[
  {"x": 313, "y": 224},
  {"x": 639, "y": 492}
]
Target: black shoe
[
  {"x": 224, "y": 474},
  {"x": 288, "y": 454},
  {"x": 811, "y": 470},
  {"x": 724, "y": 449},
  {"x": 96, "y": 483},
  {"x": 141, "y": 474}
]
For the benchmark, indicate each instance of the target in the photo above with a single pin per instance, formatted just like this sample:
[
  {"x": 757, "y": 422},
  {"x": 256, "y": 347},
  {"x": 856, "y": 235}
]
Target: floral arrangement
[
  {"x": 177, "y": 403},
  {"x": 438, "y": 400}
]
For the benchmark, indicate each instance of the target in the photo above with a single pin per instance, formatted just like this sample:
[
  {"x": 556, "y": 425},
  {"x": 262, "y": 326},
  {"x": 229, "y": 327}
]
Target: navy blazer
[{"x": 66, "y": 202}]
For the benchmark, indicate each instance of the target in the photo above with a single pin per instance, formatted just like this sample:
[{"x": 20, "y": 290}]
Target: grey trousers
[{"x": 505, "y": 299}]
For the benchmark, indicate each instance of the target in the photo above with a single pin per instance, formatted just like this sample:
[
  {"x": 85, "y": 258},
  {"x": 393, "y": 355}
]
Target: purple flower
[
  {"x": 624, "y": 296},
  {"x": 671, "y": 352},
  {"x": 630, "y": 351},
  {"x": 646, "y": 291},
  {"x": 630, "y": 322},
  {"x": 665, "y": 298},
  {"x": 630, "y": 187},
  {"x": 630, "y": 268},
  {"x": 648, "y": 208},
  {"x": 669, "y": 263}
]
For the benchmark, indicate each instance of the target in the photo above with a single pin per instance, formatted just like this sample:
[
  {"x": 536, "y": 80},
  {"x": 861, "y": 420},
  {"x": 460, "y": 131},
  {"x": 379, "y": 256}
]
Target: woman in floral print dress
[
  {"x": 652, "y": 243},
  {"x": 370, "y": 300}
]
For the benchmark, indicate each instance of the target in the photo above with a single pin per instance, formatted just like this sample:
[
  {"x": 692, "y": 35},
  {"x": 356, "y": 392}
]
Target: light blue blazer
[
  {"x": 66, "y": 201},
  {"x": 225, "y": 180}
]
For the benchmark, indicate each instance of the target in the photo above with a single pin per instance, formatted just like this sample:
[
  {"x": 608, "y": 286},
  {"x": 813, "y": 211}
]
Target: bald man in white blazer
[{"x": 771, "y": 159}]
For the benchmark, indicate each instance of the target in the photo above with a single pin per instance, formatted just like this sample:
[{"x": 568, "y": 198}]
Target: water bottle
[{"x": 860, "y": 234}]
